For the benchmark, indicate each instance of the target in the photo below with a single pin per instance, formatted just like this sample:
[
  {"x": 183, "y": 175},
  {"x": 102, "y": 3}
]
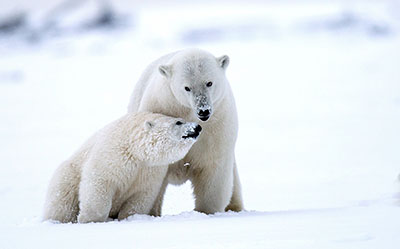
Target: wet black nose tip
[
  {"x": 198, "y": 129},
  {"x": 193, "y": 133},
  {"x": 204, "y": 113}
]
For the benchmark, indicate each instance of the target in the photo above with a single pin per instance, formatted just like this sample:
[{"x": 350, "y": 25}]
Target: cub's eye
[
  {"x": 187, "y": 89},
  {"x": 179, "y": 123},
  {"x": 209, "y": 84}
]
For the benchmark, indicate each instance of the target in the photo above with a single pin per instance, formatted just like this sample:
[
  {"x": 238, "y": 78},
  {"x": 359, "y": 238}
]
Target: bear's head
[
  {"x": 165, "y": 139},
  {"x": 197, "y": 80}
]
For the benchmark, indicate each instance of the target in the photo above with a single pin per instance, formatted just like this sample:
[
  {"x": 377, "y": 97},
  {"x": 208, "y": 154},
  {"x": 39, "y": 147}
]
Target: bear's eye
[
  {"x": 178, "y": 123},
  {"x": 209, "y": 84},
  {"x": 187, "y": 89}
]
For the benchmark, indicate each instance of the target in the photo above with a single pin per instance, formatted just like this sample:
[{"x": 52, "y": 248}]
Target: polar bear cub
[{"x": 120, "y": 169}]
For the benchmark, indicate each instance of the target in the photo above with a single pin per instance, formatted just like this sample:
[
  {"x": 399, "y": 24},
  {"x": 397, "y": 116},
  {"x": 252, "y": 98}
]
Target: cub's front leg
[
  {"x": 148, "y": 191},
  {"x": 95, "y": 198}
]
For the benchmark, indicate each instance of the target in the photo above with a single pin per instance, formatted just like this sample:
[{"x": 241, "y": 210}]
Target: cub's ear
[
  {"x": 148, "y": 125},
  {"x": 223, "y": 61},
  {"x": 165, "y": 70}
]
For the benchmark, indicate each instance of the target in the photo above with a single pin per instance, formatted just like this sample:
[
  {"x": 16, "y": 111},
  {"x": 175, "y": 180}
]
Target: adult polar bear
[{"x": 191, "y": 84}]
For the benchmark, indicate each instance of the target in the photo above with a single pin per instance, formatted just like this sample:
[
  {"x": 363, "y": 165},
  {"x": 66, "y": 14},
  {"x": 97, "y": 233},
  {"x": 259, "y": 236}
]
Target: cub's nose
[
  {"x": 203, "y": 114},
  {"x": 198, "y": 129},
  {"x": 193, "y": 132}
]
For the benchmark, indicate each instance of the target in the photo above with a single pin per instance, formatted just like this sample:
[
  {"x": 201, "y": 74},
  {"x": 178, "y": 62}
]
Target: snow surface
[{"x": 317, "y": 87}]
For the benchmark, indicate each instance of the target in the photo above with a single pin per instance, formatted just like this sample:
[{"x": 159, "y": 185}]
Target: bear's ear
[
  {"x": 165, "y": 70},
  {"x": 148, "y": 125},
  {"x": 223, "y": 61}
]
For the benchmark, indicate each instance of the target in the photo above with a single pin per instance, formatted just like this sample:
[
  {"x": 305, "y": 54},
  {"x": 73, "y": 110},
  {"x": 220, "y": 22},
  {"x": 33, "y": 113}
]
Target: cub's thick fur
[{"x": 119, "y": 171}]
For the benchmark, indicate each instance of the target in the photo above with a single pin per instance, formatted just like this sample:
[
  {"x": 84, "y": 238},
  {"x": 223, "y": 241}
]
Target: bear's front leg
[
  {"x": 139, "y": 203},
  {"x": 212, "y": 186},
  {"x": 236, "y": 203},
  {"x": 148, "y": 194},
  {"x": 157, "y": 205},
  {"x": 95, "y": 200}
]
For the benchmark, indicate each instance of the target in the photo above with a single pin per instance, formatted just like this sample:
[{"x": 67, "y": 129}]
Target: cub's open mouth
[{"x": 193, "y": 133}]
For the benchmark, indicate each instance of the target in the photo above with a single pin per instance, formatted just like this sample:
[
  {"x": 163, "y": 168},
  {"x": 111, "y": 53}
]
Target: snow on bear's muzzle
[
  {"x": 203, "y": 108},
  {"x": 193, "y": 131}
]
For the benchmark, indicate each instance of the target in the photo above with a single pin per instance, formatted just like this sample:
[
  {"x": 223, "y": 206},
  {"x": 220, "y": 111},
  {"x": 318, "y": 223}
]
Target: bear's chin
[{"x": 203, "y": 118}]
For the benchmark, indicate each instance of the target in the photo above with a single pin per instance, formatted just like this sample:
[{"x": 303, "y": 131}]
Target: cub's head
[
  {"x": 166, "y": 139},
  {"x": 197, "y": 80}
]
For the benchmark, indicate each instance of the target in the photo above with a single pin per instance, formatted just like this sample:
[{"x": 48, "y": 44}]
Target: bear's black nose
[
  {"x": 198, "y": 129},
  {"x": 193, "y": 133},
  {"x": 203, "y": 114}
]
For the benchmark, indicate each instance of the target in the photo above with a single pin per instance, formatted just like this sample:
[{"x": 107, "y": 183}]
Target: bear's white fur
[
  {"x": 119, "y": 171},
  {"x": 191, "y": 84}
]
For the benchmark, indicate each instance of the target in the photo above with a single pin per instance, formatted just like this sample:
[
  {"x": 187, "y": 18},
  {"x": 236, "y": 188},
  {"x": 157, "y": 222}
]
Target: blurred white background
[{"x": 317, "y": 85}]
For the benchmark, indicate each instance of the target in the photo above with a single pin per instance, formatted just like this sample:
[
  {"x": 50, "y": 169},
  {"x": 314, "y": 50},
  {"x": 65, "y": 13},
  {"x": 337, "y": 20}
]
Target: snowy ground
[{"x": 318, "y": 94}]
